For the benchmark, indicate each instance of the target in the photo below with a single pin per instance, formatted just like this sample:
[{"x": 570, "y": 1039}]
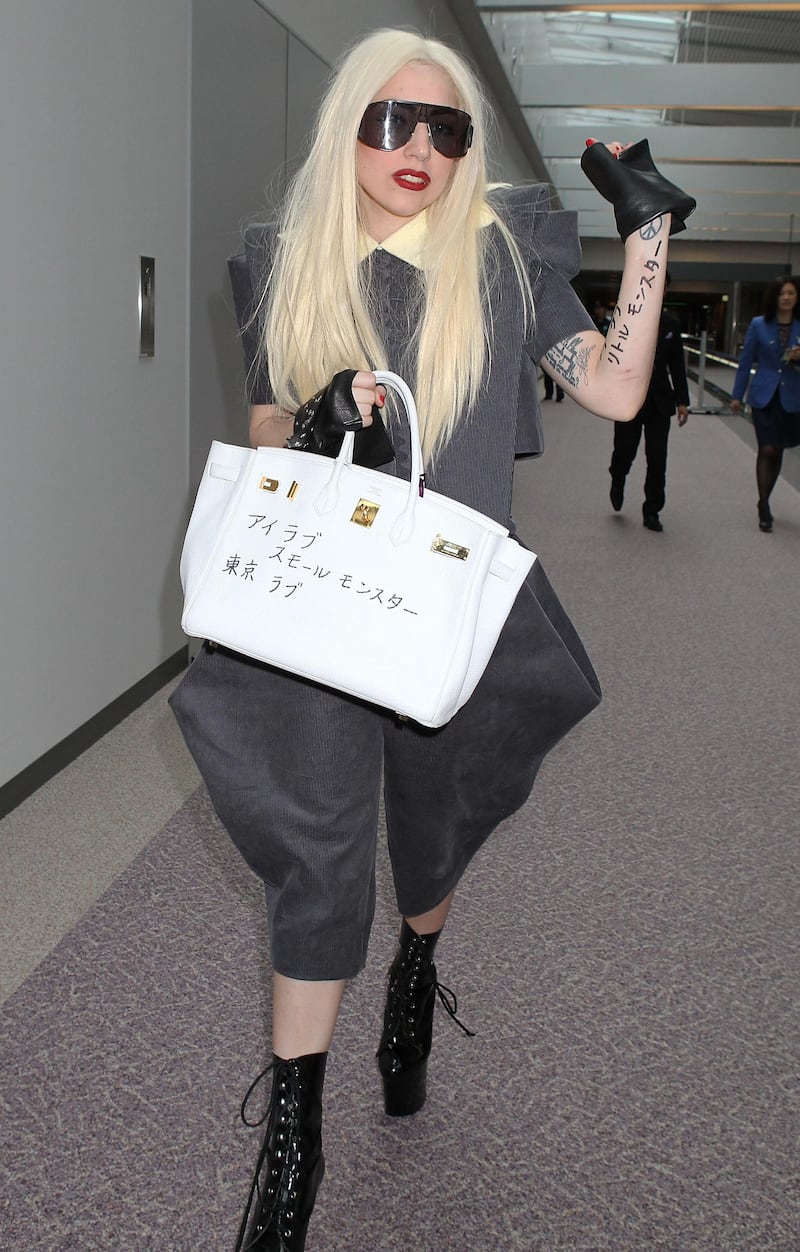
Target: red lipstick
[{"x": 411, "y": 180}]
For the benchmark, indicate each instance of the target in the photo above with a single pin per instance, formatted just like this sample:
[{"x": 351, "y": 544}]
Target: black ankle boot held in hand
[
  {"x": 636, "y": 189},
  {"x": 290, "y": 1164},
  {"x": 408, "y": 1022}
]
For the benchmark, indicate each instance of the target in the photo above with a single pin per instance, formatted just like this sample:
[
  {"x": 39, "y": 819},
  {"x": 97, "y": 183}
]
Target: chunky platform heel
[
  {"x": 405, "y": 1091},
  {"x": 290, "y": 1164},
  {"x": 408, "y": 1022}
]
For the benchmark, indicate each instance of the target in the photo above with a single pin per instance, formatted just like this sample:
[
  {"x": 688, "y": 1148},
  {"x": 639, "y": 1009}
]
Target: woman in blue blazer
[{"x": 772, "y": 344}]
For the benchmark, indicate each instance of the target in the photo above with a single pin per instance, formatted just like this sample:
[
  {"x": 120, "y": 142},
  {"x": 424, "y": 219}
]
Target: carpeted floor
[{"x": 625, "y": 948}]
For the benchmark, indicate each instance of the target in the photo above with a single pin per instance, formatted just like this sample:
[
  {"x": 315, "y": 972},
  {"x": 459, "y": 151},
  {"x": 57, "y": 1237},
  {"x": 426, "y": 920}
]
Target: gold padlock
[{"x": 365, "y": 512}]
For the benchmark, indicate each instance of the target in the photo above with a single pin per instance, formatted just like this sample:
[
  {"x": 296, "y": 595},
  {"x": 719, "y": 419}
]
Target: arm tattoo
[
  {"x": 619, "y": 330},
  {"x": 570, "y": 359},
  {"x": 651, "y": 229}
]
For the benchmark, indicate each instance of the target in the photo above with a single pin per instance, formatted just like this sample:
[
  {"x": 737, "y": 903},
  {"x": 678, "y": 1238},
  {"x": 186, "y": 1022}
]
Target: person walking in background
[
  {"x": 548, "y": 388},
  {"x": 390, "y": 225},
  {"x": 668, "y": 388},
  {"x": 772, "y": 345},
  {"x": 602, "y": 316}
]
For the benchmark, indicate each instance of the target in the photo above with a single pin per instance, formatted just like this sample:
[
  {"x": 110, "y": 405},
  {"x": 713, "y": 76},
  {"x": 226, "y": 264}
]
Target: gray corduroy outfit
[{"x": 295, "y": 770}]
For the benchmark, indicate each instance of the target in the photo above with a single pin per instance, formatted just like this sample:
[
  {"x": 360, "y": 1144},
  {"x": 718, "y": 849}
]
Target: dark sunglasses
[{"x": 389, "y": 124}]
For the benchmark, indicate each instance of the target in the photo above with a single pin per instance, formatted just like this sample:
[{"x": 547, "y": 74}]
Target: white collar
[{"x": 407, "y": 243}]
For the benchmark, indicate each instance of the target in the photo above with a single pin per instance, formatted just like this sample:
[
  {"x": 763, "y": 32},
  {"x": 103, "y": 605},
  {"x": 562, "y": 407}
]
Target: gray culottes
[{"x": 295, "y": 770}]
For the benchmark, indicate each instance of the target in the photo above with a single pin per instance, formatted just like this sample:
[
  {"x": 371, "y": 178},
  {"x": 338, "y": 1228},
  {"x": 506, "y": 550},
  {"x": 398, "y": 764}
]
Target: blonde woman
[{"x": 392, "y": 253}]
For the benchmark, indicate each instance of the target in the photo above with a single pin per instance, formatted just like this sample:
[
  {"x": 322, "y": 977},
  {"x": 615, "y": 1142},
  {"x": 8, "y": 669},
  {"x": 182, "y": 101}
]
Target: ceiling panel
[{"x": 715, "y": 89}]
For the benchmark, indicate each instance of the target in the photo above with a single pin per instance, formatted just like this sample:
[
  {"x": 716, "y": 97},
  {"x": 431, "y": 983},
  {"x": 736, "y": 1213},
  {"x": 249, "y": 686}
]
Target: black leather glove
[
  {"x": 321, "y": 423},
  {"x": 635, "y": 188}
]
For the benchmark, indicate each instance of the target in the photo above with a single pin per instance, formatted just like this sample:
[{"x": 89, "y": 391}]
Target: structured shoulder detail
[
  {"x": 547, "y": 237},
  {"x": 259, "y": 245},
  {"x": 248, "y": 272},
  {"x": 522, "y": 197},
  {"x": 258, "y": 234}
]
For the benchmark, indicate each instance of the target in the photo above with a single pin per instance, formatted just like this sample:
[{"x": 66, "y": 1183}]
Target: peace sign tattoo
[{"x": 651, "y": 229}]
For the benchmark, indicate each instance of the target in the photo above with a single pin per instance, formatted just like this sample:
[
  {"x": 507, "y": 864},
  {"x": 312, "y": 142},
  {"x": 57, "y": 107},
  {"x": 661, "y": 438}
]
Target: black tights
[{"x": 768, "y": 467}]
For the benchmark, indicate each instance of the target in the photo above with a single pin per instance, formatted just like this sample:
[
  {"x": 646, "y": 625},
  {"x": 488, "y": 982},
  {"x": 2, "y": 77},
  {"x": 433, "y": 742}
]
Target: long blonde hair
[{"x": 317, "y": 319}]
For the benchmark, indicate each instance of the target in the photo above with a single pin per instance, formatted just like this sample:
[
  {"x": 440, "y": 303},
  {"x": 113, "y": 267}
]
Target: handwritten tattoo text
[{"x": 619, "y": 330}]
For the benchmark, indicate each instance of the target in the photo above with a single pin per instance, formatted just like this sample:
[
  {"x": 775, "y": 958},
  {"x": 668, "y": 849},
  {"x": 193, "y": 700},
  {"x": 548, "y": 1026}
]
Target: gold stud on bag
[{"x": 266, "y": 573}]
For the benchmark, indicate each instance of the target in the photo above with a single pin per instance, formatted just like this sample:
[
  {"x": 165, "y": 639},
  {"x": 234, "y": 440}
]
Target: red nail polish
[{"x": 589, "y": 142}]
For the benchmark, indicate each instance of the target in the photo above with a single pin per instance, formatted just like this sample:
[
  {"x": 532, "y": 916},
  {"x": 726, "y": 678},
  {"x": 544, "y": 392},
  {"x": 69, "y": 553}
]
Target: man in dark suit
[
  {"x": 602, "y": 316},
  {"x": 668, "y": 389}
]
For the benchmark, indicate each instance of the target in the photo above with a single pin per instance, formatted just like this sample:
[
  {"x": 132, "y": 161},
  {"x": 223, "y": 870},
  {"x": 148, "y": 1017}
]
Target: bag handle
[
  {"x": 386, "y": 379},
  {"x": 403, "y": 527}
]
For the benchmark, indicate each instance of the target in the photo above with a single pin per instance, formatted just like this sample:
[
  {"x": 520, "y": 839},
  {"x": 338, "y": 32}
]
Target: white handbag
[{"x": 347, "y": 576}]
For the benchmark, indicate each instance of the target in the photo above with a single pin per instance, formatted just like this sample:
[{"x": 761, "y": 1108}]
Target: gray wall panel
[
  {"x": 308, "y": 76},
  {"x": 239, "y": 67},
  {"x": 94, "y": 449}
]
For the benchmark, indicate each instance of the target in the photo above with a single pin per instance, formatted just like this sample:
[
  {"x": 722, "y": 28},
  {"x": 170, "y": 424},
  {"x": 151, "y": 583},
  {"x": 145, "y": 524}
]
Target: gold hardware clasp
[
  {"x": 448, "y": 548},
  {"x": 365, "y": 513},
  {"x": 268, "y": 484}
]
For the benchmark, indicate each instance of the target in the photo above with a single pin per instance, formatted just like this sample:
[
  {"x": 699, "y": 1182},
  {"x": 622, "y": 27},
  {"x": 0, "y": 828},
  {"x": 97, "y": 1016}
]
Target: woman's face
[
  {"x": 396, "y": 186},
  {"x": 787, "y": 299}
]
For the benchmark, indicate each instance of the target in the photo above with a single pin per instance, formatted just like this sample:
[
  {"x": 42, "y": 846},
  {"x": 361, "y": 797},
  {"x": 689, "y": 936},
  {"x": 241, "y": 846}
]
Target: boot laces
[
  {"x": 451, "y": 1006},
  {"x": 404, "y": 986},
  {"x": 269, "y": 1204}
]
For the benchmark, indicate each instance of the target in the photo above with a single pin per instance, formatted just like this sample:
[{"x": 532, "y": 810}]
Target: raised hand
[{"x": 628, "y": 178}]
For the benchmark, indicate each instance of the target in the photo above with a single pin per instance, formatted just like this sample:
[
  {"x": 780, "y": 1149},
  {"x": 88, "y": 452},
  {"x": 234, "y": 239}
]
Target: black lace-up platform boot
[
  {"x": 408, "y": 1022},
  {"x": 290, "y": 1164}
]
